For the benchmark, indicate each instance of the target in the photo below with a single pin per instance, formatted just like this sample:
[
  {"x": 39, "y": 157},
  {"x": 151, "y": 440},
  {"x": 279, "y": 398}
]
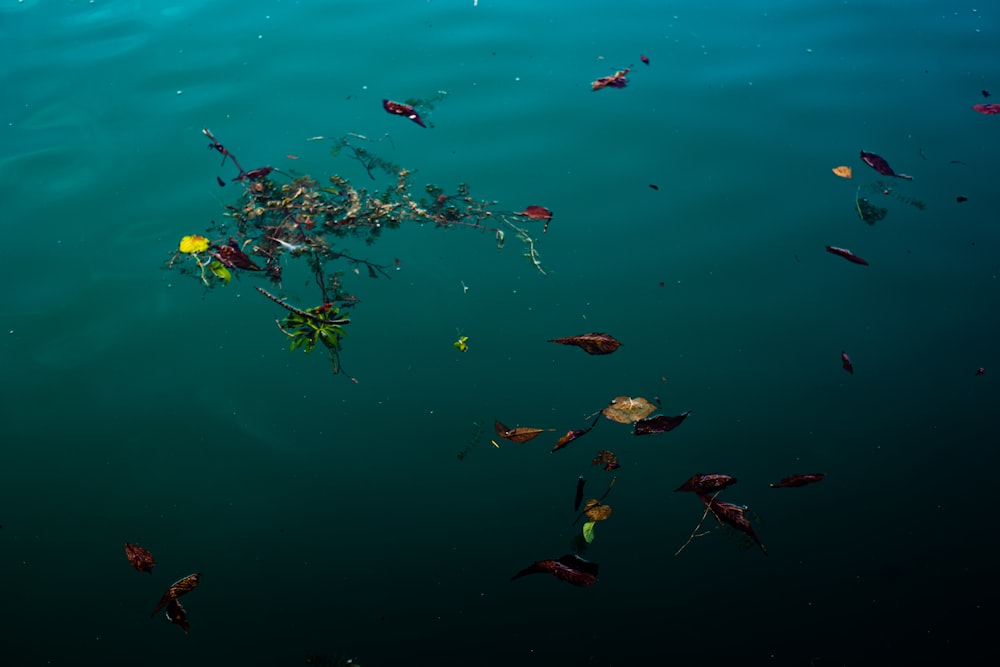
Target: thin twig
[{"x": 695, "y": 533}]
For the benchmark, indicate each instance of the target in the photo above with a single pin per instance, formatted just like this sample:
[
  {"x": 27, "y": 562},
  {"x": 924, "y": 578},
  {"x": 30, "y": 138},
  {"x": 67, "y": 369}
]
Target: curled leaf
[
  {"x": 616, "y": 80},
  {"x": 178, "y": 588},
  {"x": 842, "y": 171},
  {"x": 588, "y": 531},
  {"x": 569, "y": 568},
  {"x": 606, "y": 458}
]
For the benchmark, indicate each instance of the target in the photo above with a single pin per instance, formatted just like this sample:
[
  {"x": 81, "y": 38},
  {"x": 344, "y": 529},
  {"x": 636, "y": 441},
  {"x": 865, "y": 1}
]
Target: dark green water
[{"x": 328, "y": 517}]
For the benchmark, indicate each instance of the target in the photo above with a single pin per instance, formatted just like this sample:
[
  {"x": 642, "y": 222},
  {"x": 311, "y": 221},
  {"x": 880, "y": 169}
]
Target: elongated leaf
[
  {"x": 519, "y": 434},
  {"x": 591, "y": 343},
  {"x": 588, "y": 531}
]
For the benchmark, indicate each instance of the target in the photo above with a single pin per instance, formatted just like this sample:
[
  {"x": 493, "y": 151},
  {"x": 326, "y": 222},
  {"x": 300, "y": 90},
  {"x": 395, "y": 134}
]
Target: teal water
[{"x": 328, "y": 517}]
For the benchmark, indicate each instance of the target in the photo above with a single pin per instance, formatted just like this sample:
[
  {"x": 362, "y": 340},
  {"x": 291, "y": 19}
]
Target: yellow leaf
[
  {"x": 843, "y": 172},
  {"x": 193, "y": 243}
]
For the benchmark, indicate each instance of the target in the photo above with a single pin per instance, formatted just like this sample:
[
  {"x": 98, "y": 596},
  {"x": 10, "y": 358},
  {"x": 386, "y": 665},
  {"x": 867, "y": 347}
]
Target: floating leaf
[
  {"x": 178, "y": 588},
  {"x": 220, "y": 271},
  {"x": 234, "y": 258},
  {"x": 625, "y": 410},
  {"x": 588, "y": 531},
  {"x": 573, "y": 435},
  {"x": 536, "y": 213},
  {"x": 570, "y": 568},
  {"x": 140, "y": 558},
  {"x": 193, "y": 243},
  {"x": 659, "y": 424},
  {"x": 606, "y": 458},
  {"x": 798, "y": 480},
  {"x": 616, "y": 80},
  {"x": 879, "y": 164},
  {"x": 591, "y": 343},
  {"x": 733, "y": 516},
  {"x": 462, "y": 344},
  {"x": 702, "y": 483},
  {"x": 595, "y": 511},
  {"x": 519, "y": 434},
  {"x": 842, "y": 171}
]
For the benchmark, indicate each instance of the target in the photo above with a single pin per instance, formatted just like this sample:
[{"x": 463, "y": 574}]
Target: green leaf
[
  {"x": 220, "y": 271},
  {"x": 588, "y": 531}
]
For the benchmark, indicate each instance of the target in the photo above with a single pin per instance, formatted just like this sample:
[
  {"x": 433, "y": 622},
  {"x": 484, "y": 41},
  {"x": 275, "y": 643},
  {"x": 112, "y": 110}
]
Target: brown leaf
[
  {"x": 595, "y": 511},
  {"x": 519, "y": 434},
  {"x": 616, "y": 80},
  {"x": 573, "y": 435},
  {"x": 606, "y": 458},
  {"x": 591, "y": 343},
  {"x": 140, "y": 558},
  {"x": 178, "y": 588},
  {"x": 626, "y": 410}
]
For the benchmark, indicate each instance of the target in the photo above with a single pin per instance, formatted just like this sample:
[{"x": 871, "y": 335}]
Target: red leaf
[{"x": 659, "y": 424}]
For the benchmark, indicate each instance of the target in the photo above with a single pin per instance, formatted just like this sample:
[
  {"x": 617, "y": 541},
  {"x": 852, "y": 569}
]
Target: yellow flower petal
[{"x": 193, "y": 243}]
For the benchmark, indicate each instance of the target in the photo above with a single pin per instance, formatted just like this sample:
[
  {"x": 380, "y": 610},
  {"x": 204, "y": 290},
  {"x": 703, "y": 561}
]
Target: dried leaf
[
  {"x": 591, "y": 343},
  {"x": 606, "y": 458},
  {"x": 140, "y": 558},
  {"x": 707, "y": 483},
  {"x": 178, "y": 588},
  {"x": 177, "y": 614},
  {"x": 573, "y": 435},
  {"x": 519, "y": 434},
  {"x": 879, "y": 164},
  {"x": 798, "y": 480},
  {"x": 595, "y": 511},
  {"x": 732, "y": 515},
  {"x": 659, "y": 424},
  {"x": 570, "y": 568},
  {"x": 616, "y": 80},
  {"x": 842, "y": 171},
  {"x": 625, "y": 410}
]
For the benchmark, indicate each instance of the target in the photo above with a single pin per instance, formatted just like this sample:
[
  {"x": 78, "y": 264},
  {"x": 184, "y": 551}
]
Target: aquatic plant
[{"x": 280, "y": 218}]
